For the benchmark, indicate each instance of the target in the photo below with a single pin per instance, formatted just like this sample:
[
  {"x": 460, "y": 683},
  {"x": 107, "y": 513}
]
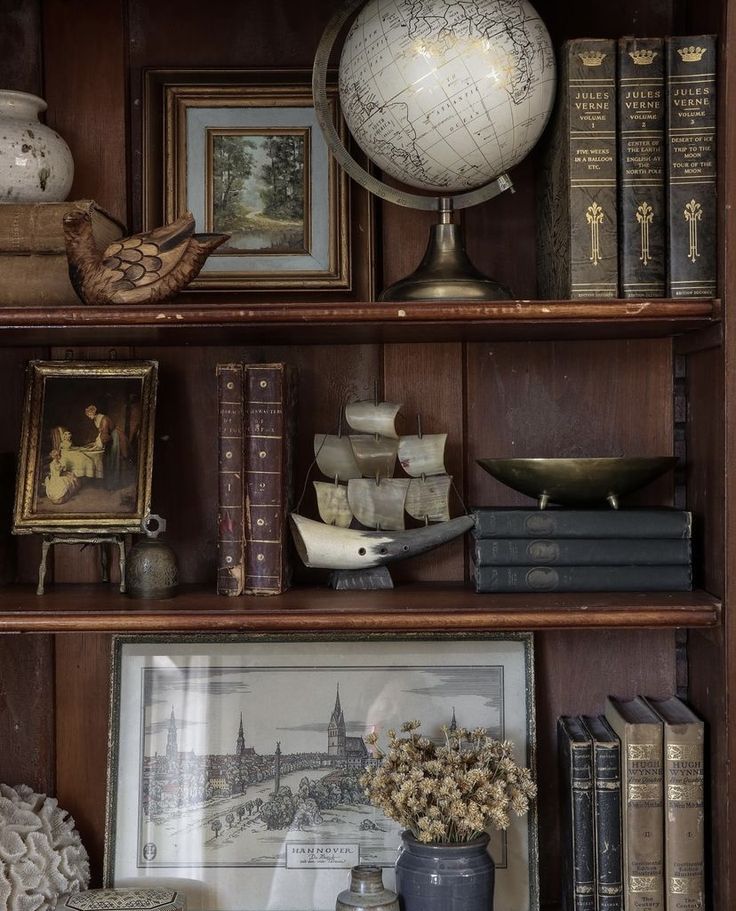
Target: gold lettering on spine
[
  {"x": 639, "y": 752},
  {"x": 687, "y": 752},
  {"x": 693, "y": 213},
  {"x": 594, "y": 215},
  {"x": 643, "y": 883},
  {"x": 645, "y": 216}
]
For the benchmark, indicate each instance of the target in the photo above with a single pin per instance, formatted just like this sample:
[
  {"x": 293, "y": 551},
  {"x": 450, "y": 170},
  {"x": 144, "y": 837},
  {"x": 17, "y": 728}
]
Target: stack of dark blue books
[{"x": 581, "y": 550}]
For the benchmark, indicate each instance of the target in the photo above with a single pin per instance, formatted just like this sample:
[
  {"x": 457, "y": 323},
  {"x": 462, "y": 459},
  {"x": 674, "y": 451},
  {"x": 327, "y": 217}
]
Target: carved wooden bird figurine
[{"x": 140, "y": 269}]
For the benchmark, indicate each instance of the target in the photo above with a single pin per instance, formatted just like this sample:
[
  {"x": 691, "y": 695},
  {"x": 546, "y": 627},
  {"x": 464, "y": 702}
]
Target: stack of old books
[
  {"x": 33, "y": 265},
  {"x": 567, "y": 550},
  {"x": 632, "y": 790}
]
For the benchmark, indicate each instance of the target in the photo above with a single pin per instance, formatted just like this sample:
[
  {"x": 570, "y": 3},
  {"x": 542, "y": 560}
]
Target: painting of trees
[
  {"x": 232, "y": 165},
  {"x": 283, "y": 176},
  {"x": 257, "y": 191}
]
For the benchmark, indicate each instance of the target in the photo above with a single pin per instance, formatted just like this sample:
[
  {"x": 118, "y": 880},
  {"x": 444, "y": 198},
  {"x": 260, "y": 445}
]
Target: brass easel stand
[{"x": 50, "y": 540}]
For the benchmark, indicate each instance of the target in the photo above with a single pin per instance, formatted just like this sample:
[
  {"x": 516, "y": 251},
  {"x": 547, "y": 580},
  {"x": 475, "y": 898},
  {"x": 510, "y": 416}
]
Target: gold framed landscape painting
[
  {"x": 242, "y": 151},
  {"x": 86, "y": 450}
]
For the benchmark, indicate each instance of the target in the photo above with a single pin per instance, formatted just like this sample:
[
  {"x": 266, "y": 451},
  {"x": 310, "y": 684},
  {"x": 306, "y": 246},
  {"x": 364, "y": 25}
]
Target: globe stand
[{"x": 446, "y": 272}]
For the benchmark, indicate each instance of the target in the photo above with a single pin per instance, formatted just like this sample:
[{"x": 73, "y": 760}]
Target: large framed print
[
  {"x": 86, "y": 452},
  {"x": 243, "y": 152},
  {"x": 235, "y": 760}
]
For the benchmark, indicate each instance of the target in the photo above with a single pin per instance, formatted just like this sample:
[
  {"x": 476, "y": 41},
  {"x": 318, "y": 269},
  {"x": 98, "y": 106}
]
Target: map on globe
[{"x": 447, "y": 95}]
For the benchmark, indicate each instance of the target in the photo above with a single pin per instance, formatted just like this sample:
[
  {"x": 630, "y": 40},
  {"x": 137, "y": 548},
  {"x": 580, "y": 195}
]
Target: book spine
[
  {"x": 582, "y": 578},
  {"x": 574, "y": 523},
  {"x": 684, "y": 815},
  {"x": 643, "y": 818},
  {"x": 230, "y": 555},
  {"x": 641, "y": 128},
  {"x": 607, "y": 802},
  {"x": 577, "y": 784},
  {"x": 37, "y": 227},
  {"x": 267, "y": 468},
  {"x": 592, "y": 162},
  {"x": 35, "y": 280},
  {"x": 691, "y": 164},
  {"x": 581, "y": 551}
]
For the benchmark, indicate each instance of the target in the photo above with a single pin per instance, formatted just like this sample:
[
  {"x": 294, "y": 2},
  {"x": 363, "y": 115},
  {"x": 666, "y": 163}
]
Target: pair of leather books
[
  {"x": 256, "y": 411},
  {"x": 628, "y": 207},
  {"x": 633, "y": 807}
]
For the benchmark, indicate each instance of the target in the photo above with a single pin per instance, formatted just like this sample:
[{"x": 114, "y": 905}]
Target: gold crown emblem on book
[
  {"x": 643, "y": 57},
  {"x": 691, "y": 54},
  {"x": 592, "y": 58}
]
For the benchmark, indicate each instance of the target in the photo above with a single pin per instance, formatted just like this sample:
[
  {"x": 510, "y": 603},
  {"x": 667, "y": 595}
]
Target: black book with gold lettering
[
  {"x": 642, "y": 216},
  {"x": 577, "y": 238},
  {"x": 691, "y": 163}
]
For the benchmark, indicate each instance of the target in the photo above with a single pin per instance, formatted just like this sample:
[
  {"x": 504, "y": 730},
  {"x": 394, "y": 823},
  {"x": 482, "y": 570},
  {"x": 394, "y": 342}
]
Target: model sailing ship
[{"x": 363, "y": 489}]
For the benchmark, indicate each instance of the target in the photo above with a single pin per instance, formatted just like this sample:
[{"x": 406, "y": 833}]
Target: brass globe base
[{"x": 446, "y": 273}]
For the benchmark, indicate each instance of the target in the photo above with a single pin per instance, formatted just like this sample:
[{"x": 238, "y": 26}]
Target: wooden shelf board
[
  {"x": 219, "y": 318},
  {"x": 408, "y": 608}
]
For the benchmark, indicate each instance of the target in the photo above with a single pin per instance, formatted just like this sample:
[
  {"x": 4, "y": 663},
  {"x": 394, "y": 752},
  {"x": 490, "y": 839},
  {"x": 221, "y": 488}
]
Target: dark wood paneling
[
  {"x": 20, "y": 45},
  {"x": 567, "y": 399},
  {"x": 27, "y": 712},
  {"x": 82, "y": 711},
  {"x": 84, "y": 48},
  {"x": 428, "y": 380},
  {"x": 574, "y": 675}
]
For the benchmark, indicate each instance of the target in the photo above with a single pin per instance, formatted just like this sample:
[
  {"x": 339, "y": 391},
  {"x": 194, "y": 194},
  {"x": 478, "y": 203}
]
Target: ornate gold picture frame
[
  {"x": 242, "y": 150},
  {"x": 86, "y": 452}
]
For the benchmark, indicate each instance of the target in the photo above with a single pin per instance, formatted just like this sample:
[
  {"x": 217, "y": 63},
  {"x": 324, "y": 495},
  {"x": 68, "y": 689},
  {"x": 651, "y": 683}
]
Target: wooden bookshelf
[
  {"x": 418, "y": 608},
  {"x": 524, "y": 377}
]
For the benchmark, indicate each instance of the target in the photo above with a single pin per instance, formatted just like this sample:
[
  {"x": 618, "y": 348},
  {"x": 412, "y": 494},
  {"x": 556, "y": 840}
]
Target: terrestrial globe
[{"x": 444, "y": 96}]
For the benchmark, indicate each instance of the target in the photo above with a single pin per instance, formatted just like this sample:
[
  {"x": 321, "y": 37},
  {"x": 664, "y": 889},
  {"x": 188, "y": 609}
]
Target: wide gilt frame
[
  {"x": 170, "y": 94},
  {"x": 133, "y": 851},
  {"x": 28, "y": 521}
]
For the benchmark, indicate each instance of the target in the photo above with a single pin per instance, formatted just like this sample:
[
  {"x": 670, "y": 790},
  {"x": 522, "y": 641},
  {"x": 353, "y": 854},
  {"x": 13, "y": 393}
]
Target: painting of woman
[
  {"x": 60, "y": 483},
  {"x": 82, "y": 460},
  {"x": 113, "y": 442}
]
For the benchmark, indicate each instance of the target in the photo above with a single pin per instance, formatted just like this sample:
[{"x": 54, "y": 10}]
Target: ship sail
[
  {"x": 423, "y": 455},
  {"x": 376, "y": 458},
  {"x": 429, "y": 498},
  {"x": 332, "y": 503},
  {"x": 334, "y": 456},
  {"x": 378, "y": 505},
  {"x": 373, "y": 417}
]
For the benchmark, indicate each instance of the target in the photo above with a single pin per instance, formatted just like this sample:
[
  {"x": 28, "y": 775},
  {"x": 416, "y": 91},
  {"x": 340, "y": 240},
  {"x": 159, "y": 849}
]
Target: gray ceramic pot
[
  {"x": 366, "y": 892},
  {"x": 446, "y": 877}
]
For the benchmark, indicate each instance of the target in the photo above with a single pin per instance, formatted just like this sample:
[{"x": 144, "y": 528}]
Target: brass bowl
[{"x": 577, "y": 482}]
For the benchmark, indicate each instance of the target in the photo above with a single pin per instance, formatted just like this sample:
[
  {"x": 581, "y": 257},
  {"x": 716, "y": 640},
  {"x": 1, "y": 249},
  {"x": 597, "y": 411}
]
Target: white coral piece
[{"x": 41, "y": 853}]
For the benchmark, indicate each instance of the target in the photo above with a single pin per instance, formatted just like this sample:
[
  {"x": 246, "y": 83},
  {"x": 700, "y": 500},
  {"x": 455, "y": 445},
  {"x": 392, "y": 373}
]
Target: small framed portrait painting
[{"x": 86, "y": 449}]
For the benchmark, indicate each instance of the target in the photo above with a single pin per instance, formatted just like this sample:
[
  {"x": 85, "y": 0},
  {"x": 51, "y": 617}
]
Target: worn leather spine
[
  {"x": 577, "y": 237},
  {"x": 581, "y": 551},
  {"x": 269, "y": 418},
  {"x": 691, "y": 164},
  {"x": 640, "y": 731},
  {"x": 512, "y": 522},
  {"x": 606, "y": 813},
  {"x": 230, "y": 556},
  {"x": 642, "y": 218},
  {"x": 684, "y": 805},
  {"x": 576, "y": 780},
  {"x": 582, "y": 578}
]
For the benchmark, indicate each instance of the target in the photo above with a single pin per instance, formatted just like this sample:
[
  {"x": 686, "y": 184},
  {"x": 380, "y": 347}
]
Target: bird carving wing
[{"x": 143, "y": 259}]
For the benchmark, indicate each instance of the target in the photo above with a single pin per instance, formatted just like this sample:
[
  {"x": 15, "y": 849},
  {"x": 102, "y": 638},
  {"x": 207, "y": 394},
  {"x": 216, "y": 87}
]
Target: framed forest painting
[{"x": 242, "y": 150}]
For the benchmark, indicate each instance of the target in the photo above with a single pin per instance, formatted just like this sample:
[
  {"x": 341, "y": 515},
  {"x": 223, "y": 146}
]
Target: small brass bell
[{"x": 151, "y": 569}]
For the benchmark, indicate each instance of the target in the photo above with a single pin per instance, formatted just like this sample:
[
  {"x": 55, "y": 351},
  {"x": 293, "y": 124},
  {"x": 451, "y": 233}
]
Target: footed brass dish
[{"x": 577, "y": 482}]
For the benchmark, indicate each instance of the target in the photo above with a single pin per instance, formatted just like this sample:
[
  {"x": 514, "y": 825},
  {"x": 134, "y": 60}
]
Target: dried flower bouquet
[{"x": 451, "y": 792}]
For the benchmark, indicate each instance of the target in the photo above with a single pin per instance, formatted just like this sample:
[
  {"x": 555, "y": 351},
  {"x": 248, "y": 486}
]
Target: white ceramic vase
[{"x": 35, "y": 162}]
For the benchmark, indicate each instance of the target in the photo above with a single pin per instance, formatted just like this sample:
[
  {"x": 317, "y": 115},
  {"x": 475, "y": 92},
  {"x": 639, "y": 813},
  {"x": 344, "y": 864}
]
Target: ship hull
[{"x": 329, "y": 547}]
